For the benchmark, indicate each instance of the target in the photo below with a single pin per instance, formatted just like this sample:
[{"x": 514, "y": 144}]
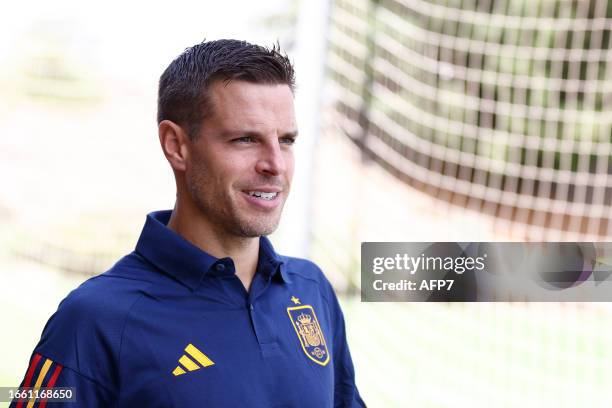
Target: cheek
[
  {"x": 290, "y": 163},
  {"x": 211, "y": 167},
  {"x": 206, "y": 176},
  {"x": 233, "y": 171}
]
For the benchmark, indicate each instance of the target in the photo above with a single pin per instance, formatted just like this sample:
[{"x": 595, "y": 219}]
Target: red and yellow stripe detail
[{"x": 39, "y": 372}]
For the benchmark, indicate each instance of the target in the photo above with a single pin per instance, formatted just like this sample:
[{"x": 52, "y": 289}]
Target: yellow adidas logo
[{"x": 188, "y": 363}]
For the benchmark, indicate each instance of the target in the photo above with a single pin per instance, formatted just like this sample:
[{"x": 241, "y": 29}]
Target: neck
[{"x": 189, "y": 222}]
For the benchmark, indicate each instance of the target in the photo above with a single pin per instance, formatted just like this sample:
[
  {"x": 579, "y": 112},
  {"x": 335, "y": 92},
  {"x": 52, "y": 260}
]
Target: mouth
[
  {"x": 263, "y": 198},
  {"x": 267, "y": 196}
]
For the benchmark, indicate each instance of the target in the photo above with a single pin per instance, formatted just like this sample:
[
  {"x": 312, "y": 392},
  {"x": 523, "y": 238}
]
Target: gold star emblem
[{"x": 295, "y": 300}]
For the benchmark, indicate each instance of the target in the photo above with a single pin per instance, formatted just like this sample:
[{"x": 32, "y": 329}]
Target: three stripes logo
[{"x": 186, "y": 362}]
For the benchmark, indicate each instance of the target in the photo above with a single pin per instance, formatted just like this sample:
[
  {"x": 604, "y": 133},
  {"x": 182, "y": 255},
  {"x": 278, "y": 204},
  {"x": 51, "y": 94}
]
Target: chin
[{"x": 256, "y": 227}]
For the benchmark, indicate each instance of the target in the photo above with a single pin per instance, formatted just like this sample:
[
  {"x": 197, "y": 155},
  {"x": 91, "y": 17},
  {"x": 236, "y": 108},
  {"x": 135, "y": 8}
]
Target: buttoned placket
[
  {"x": 233, "y": 287},
  {"x": 262, "y": 326}
]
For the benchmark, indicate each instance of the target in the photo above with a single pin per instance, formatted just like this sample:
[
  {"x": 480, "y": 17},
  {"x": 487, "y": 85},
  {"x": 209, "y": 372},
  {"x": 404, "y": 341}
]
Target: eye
[
  {"x": 288, "y": 140},
  {"x": 243, "y": 139}
]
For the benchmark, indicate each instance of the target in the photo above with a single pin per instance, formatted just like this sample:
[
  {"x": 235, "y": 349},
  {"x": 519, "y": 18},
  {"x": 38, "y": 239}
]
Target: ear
[{"x": 174, "y": 143}]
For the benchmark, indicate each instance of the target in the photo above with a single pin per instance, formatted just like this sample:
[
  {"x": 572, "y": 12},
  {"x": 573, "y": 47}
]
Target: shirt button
[
  {"x": 220, "y": 267},
  {"x": 251, "y": 307}
]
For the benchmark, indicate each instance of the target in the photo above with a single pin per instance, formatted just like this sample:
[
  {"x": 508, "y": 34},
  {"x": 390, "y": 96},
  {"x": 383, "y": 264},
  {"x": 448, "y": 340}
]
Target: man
[{"x": 204, "y": 312}]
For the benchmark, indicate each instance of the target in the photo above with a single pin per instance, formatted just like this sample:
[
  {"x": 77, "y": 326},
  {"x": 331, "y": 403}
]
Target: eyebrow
[
  {"x": 293, "y": 134},
  {"x": 234, "y": 133}
]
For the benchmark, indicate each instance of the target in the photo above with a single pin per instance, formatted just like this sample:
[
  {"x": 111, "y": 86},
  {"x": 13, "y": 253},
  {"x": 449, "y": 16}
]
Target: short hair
[{"x": 182, "y": 96}]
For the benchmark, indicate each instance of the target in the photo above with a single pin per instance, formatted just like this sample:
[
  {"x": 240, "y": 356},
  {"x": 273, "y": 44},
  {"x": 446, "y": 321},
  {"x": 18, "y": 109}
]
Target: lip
[
  {"x": 264, "y": 189},
  {"x": 258, "y": 203}
]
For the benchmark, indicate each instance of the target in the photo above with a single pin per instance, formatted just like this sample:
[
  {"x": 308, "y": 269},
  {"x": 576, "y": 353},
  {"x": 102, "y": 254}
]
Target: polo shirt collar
[
  {"x": 179, "y": 258},
  {"x": 275, "y": 266}
]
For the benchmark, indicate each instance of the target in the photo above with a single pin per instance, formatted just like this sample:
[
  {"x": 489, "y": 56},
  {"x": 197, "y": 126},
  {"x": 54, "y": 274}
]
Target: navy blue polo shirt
[{"x": 170, "y": 325}]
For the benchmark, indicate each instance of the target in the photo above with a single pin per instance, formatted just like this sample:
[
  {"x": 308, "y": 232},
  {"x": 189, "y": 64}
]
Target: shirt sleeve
[
  {"x": 44, "y": 372},
  {"x": 76, "y": 350},
  {"x": 346, "y": 394}
]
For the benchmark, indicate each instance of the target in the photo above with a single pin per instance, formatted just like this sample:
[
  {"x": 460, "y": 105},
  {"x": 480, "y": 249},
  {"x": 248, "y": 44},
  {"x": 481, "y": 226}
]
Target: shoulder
[
  {"x": 84, "y": 334},
  {"x": 107, "y": 297},
  {"x": 303, "y": 271}
]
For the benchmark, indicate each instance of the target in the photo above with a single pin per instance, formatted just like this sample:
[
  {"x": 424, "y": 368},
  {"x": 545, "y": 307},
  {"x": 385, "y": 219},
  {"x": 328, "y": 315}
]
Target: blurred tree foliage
[{"x": 500, "y": 74}]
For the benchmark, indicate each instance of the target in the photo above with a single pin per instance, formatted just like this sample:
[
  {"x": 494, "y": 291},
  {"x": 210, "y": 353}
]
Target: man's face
[{"x": 241, "y": 164}]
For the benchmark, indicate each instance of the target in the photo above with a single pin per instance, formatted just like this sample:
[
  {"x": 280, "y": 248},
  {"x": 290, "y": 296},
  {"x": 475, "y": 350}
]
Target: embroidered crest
[{"x": 309, "y": 332}]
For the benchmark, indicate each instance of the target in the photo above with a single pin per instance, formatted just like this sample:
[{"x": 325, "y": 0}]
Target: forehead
[{"x": 244, "y": 104}]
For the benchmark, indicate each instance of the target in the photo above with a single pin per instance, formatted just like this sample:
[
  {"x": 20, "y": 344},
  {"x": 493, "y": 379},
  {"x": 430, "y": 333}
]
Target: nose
[{"x": 272, "y": 161}]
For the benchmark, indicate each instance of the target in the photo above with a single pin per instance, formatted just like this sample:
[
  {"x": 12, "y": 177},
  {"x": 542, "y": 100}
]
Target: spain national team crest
[{"x": 309, "y": 332}]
